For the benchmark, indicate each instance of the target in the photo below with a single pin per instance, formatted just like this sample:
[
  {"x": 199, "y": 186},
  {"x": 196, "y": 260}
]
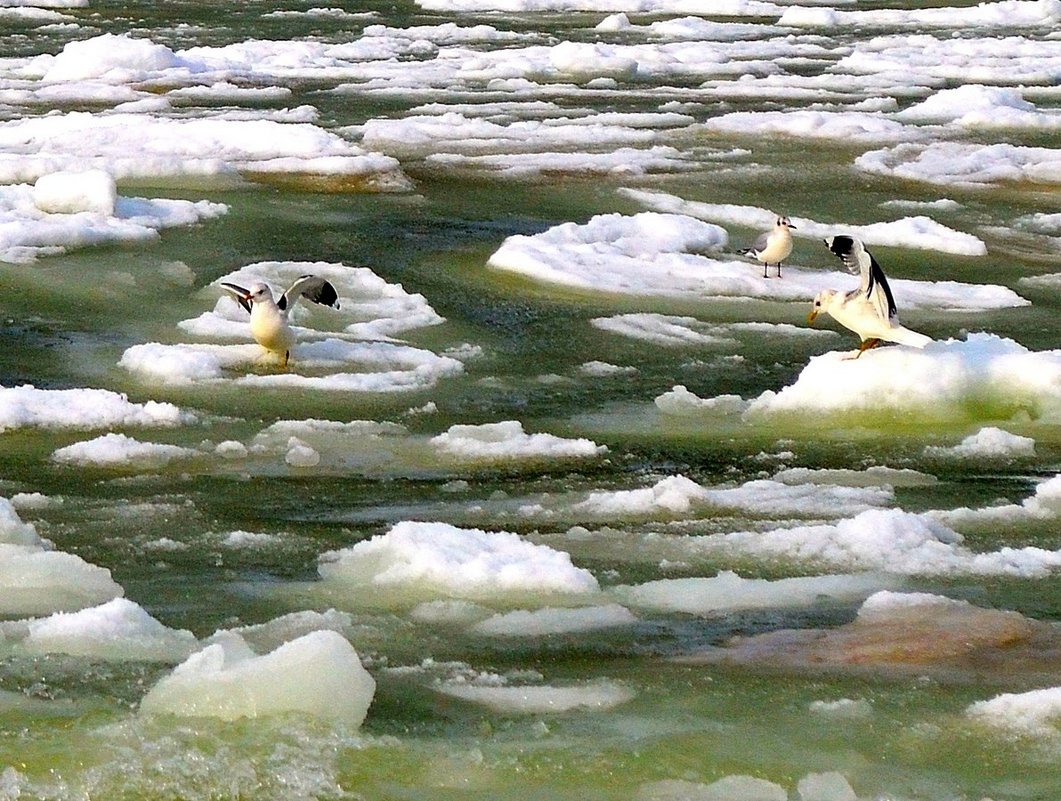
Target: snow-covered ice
[
  {"x": 121, "y": 451},
  {"x": 422, "y": 560},
  {"x": 990, "y": 442},
  {"x": 507, "y": 441},
  {"x": 28, "y": 407},
  {"x": 538, "y": 699},
  {"x": 1035, "y": 713},
  {"x": 555, "y": 621},
  {"x": 982, "y": 376}
]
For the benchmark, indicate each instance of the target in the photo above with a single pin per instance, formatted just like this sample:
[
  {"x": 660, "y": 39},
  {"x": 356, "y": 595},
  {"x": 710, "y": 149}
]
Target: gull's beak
[{"x": 812, "y": 316}]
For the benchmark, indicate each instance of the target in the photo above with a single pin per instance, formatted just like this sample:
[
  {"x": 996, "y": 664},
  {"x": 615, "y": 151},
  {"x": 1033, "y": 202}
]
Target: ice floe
[
  {"x": 507, "y": 441},
  {"x": 317, "y": 674},
  {"x": 984, "y": 376},
  {"x": 977, "y": 106},
  {"x": 965, "y": 163},
  {"x": 141, "y": 146},
  {"x": 875, "y": 476},
  {"x": 1036, "y": 713},
  {"x": 654, "y": 254},
  {"x": 841, "y": 126},
  {"x": 29, "y": 407},
  {"x": 555, "y": 621},
  {"x": 65, "y": 210},
  {"x": 1003, "y": 14},
  {"x": 117, "y": 630},
  {"x": 415, "y": 561},
  {"x": 538, "y": 699},
  {"x": 886, "y": 540},
  {"x": 919, "y": 232},
  {"x": 121, "y": 451},
  {"x": 36, "y": 580},
  {"x": 989, "y": 442},
  {"x": 728, "y": 592},
  {"x": 1042, "y": 505}
]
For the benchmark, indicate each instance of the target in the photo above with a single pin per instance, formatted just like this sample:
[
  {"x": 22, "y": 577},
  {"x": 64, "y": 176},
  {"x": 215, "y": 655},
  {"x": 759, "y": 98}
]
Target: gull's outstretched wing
[
  {"x": 239, "y": 293},
  {"x": 873, "y": 282},
  {"x": 312, "y": 288}
]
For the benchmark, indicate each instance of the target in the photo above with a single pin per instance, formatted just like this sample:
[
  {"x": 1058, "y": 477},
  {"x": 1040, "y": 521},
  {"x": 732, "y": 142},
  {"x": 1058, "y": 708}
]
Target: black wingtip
[
  {"x": 324, "y": 294},
  {"x": 840, "y": 245}
]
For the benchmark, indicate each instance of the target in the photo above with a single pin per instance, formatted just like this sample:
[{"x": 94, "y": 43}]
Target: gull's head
[
  {"x": 821, "y": 304},
  {"x": 784, "y": 222},
  {"x": 259, "y": 293}
]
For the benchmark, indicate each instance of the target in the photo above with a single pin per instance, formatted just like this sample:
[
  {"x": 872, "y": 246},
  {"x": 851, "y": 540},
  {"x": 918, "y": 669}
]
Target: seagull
[
  {"x": 870, "y": 310},
  {"x": 773, "y": 246},
  {"x": 269, "y": 318}
]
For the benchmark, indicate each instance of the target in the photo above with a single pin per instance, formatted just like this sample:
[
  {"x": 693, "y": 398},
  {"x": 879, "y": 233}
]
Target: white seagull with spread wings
[
  {"x": 870, "y": 310},
  {"x": 269, "y": 318}
]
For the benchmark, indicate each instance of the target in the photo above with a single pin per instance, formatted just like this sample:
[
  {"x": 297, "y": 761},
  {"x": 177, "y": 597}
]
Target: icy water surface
[{"x": 565, "y": 500}]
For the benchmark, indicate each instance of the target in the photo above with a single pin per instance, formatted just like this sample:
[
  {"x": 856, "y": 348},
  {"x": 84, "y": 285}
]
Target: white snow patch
[
  {"x": 437, "y": 559},
  {"x": 1036, "y": 713},
  {"x": 728, "y": 592},
  {"x": 507, "y": 441},
  {"x": 29, "y": 407},
  {"x": 983, "y": 375},
  {"x": 553, "y": 621},
  {"x": 121, "y": 451},
  {"x": 987, "y": 443},
  {"x": 965, "y": 164},
  {"x": 118, "y": 630}
]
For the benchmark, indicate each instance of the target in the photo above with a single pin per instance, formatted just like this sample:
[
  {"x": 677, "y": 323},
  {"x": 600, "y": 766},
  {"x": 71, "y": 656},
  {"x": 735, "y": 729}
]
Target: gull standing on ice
[
  {"x": 870, "y": 310},
  {"x": 773, "y": 246},
  {"x": 269, "y": 318}
]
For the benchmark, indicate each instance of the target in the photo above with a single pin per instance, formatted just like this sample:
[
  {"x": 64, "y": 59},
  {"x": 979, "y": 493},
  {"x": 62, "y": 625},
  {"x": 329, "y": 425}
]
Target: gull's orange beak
[{"x": 812, "y": 316}]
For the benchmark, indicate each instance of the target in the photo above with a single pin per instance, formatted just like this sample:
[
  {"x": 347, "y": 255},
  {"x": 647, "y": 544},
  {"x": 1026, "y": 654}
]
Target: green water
[{"x": 70, "y": 729}]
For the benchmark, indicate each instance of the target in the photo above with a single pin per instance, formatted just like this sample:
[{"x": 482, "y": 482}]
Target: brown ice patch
[{"x": 939, "y": 637}]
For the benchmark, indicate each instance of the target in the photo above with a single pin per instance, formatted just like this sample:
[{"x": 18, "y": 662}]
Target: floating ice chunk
[
  {"x": 318, "y": 674},
  {"x": 1003, "y": 14},
  {"x": 130, "y": 145},
  {"x": 891, "y": 541},
  {"x": 29, "y": 407},
  {"x": 975, "y": 105},
  {"x": 728, "y": 788},
  {"x": 380, "y": 366},
  {"x": 987, "y": 443},
  {"x": 506, "y": 441},
  {"x": 983, "y": 376},
  {"x": 545, "y": 622},
  {"x": 965, "y": 164},
  {"x": 272, "y": 634},
  {"x": 13, "y": 530},
  {"x": 728, "y": 592},
  {"x": 70, "y": 210},
  {"x": 436, "y": 559},
  {"x": 672, "y": 331},
  {"x": 876, "y": 476},
  {"x": 727, "y": 8},
  {"x": 34, "y": 581},
  {"x": 680, "y": 402},
  {"x": 117, "y": 59},
  {"x": 118, "y": 630},
  {"x": 599, "y": 369},
  {"x": 541, "y": 699},
  {"x": 1036, "y": 713},
  {"x": 842, "y": 126},
  {"x": 121, "y": 451},
  {"x": 680, "y": 495},
  {"x": 661, "y": 254},
  {"x": 71, "y": 192},
  {"x": 912, "y": 232},
  {"x": 299, "y": 454},
  {"x": 1043, "y": 504}
]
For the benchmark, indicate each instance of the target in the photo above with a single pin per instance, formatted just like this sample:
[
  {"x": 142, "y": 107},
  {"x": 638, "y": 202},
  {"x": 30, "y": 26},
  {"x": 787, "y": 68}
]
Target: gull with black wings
[
  {"x": 270, "y": 325},
  {"x": 870, "y": 310}
]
